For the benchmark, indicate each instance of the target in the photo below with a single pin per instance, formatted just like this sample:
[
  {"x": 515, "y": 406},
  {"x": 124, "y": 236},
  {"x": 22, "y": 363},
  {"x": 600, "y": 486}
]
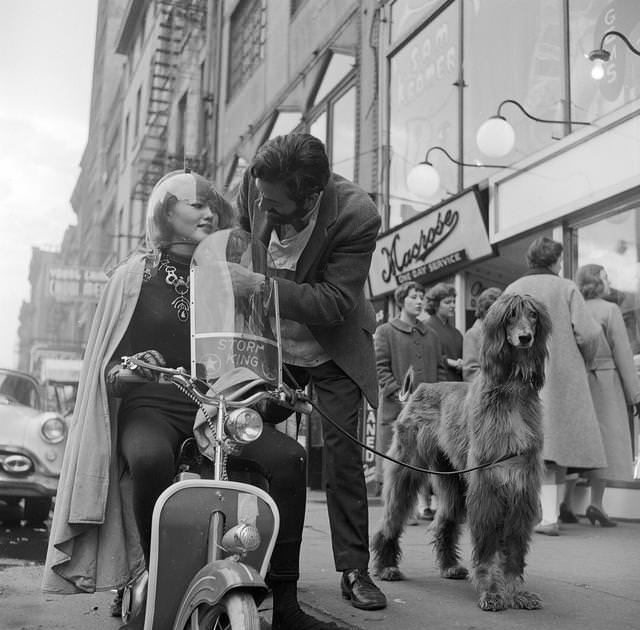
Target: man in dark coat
[{"x": 320, "y": 230}]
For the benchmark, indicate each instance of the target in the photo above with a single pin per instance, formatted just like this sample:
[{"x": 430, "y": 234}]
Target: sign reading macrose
[{"x": 433, "y": 244}]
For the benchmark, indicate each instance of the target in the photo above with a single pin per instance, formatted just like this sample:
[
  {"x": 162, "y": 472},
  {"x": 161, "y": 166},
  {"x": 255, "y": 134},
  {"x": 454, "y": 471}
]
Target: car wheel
[{"x": 36, "y": 510}]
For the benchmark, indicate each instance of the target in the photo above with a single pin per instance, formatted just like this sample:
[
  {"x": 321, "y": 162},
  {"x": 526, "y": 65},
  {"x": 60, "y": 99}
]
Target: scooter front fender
[{"x": 213, "y": 582}]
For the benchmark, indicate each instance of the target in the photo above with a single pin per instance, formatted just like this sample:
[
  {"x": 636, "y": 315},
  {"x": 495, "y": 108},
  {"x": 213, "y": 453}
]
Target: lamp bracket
[
  {"x": 622, "y": 36},
  {"x": 439, "y": 148},
  {"x": 528, "y": 115}
]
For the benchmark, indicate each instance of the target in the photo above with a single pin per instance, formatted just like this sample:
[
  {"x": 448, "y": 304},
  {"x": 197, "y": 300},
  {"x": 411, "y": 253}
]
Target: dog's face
[
  {"x": 515, "y": 333},
  {"x": 520, "y": 328},
  {"x": 520, "y": 317}
]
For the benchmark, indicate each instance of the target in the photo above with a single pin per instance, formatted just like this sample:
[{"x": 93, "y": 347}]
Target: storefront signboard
[
  {"x": 434, "y": 244},
  {"x": 67, "y": 283}
]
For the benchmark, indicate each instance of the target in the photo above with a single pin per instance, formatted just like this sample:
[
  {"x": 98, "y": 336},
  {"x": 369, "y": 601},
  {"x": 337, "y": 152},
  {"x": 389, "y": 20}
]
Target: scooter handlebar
[{"x": 180, "y": 376}]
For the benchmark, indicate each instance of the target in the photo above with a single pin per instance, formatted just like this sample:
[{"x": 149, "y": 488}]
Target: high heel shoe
[
  {"x": 566, "y": 515},
  {"x": 598, "y": 518}
]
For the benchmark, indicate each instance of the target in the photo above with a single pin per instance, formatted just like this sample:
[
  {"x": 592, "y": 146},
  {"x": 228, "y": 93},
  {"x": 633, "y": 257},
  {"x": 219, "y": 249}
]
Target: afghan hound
[{"x": 456, "y": 426}]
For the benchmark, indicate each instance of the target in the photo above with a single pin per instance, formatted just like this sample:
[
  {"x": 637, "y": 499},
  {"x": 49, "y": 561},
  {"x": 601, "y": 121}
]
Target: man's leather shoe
[{"x": 358, "y": 587}]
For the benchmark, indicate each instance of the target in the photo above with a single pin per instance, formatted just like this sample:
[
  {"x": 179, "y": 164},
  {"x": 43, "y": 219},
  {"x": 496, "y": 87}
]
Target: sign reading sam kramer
[{"x": 433, "y": 244}]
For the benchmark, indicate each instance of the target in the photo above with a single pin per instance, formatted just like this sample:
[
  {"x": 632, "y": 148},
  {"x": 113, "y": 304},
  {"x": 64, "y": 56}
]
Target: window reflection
[
  {"x": 285, "y": 123},
  {"x": 588, "y": 21},
  {"x": 344, "y": 135},
  {"x": 613, "y": 243},
  {"x": 339, "y": 67},
  {"x": 424, "y": 110},
  {"x": 318, "y": 127}
]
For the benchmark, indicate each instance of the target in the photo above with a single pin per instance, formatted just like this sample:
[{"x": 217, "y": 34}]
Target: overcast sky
[{"x": 46, "y": 64}]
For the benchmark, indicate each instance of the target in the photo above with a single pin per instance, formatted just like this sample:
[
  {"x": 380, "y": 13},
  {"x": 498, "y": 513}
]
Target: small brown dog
[{"x": 455, "y": 426}]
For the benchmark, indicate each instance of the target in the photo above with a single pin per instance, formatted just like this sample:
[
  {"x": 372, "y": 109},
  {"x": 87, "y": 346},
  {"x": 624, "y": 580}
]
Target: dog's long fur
[{"x": 454, "y": 426}]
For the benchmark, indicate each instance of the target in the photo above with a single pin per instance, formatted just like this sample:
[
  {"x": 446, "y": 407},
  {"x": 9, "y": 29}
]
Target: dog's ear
[
  {"x": 495, "y": 353},
  {"x": 539, "y": 349}
]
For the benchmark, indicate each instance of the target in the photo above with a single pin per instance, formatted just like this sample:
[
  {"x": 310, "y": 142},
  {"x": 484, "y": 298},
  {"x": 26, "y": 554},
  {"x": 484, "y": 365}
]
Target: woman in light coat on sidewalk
[
  {"x": 571, "y": 432},
  {"x": 615, "y": 386}
]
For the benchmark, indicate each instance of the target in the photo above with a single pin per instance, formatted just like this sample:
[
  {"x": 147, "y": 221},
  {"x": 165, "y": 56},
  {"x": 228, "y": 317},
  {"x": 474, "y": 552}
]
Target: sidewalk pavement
[{"x": 589, "y": 579}]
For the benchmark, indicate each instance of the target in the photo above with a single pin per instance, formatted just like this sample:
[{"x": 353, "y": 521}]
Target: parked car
[{"x": 32, "y": 443}]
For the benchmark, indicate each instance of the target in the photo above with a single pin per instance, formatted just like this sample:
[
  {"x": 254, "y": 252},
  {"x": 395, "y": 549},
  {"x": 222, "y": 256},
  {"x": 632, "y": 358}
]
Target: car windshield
[{"x": 18, "y": 388}]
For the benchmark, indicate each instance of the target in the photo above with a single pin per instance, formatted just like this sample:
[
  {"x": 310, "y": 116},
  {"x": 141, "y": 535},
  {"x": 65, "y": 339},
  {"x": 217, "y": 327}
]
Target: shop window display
[{"x": 614, "y": 243}]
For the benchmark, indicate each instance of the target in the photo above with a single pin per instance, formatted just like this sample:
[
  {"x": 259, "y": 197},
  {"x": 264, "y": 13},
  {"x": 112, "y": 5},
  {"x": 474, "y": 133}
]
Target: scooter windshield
[{"x": 234, "y": 321}]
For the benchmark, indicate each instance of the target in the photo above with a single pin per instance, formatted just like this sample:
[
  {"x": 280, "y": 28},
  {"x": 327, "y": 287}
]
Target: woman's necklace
[{"x": 180, "y": 286}]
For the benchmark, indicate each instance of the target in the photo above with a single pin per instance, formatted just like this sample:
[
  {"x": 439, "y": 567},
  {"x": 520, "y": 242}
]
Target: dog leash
[{"x": 442, "y": 473}]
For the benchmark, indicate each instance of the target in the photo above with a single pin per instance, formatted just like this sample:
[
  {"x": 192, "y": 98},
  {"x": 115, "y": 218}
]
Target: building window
[
  {"x": 532, "y": 74},
  {"x": 613, "y": 242},
  {"x": 284, "y": 122},
  {"x": 247, "y": 42},
  {"x": 332, "y": 114},
  {"x": 588, "y": 21},
  {"x": 423, "y": 110}
]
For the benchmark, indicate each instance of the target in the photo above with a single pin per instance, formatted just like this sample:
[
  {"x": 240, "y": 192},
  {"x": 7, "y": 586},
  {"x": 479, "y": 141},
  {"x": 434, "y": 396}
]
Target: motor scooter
[{"x": 212, "y": 538}]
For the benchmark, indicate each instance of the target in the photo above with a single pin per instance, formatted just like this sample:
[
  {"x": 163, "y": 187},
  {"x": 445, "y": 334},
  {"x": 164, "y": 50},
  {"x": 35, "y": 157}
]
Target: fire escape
[{"x": 177, "y": 17}]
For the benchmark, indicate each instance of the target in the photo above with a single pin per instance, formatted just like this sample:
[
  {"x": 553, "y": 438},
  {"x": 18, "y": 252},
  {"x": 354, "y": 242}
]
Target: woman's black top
[{"x": 161, "y": 322}]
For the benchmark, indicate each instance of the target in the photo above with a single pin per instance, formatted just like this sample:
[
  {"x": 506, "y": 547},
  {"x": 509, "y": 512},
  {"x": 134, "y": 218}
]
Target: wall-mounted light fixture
[
  {"x": 600, "y": 56},
  {"x": 496, "y": 137},
  {"x": 424, "y": 180}
]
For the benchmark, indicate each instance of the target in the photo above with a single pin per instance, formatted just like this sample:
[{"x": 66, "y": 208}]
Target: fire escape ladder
[
  {"x": 176, "y": 19},
  {"x": 152, "y": 155}
]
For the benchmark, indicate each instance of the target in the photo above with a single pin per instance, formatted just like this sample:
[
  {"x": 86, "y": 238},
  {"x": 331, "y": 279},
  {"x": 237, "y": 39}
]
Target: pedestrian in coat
[
  {"x": 403, "y": 345},
  {"x": 571, "y": 433},
  {"x": 440, "y": 304},
  {"x": 615, "y": 387},
  {"x": 123, "y": 440},
  {"x": 472, "y": 340},
  {"x": 321, "y": 232}
]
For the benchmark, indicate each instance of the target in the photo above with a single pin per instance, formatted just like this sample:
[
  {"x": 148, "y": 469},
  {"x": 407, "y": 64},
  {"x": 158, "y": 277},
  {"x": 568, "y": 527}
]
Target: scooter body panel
[
  {"x": 214, "y": 581},
  {"x": 179, "y": 538}
]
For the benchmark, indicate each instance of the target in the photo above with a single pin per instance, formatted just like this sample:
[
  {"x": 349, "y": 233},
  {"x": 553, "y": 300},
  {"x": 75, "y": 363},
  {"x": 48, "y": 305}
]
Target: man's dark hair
[
  {"x": 298, "y": 160},
  {"x": 543, "y": 252}
]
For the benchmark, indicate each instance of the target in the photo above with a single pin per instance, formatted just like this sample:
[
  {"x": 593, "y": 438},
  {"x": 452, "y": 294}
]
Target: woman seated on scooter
[{"x": 124, "y": 439}]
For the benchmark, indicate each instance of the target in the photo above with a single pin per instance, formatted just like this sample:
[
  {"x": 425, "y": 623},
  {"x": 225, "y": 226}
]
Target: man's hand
[
  {"x": 245, "y": 282},
  {"x": 153, "y": 357}
]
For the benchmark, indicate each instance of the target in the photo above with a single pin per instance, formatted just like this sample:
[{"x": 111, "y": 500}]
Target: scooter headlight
[
  {"x": 241, "y": 538},
  {"x": 244, "y": 425}
]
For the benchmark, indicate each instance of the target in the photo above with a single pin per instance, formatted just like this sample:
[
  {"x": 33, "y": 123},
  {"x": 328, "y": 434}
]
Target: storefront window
[
  {"x": 318, "y": 127},
  {"x": 333, "y": 114},
  {"x": 614, "y": 243},
  {"x": 406, "y": 14},
  {"x": 588, "y": 21},
  {"x": 423, "y": 110},
  {"x": 344, "y": 135},
  {"x": 524, "y": 62},
  {"x": 285, "y": 122}
]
